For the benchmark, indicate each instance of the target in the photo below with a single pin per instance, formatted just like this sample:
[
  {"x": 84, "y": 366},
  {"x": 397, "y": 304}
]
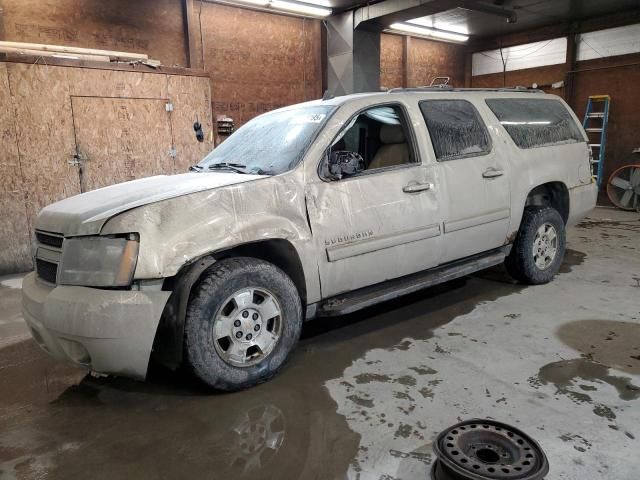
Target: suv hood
[{"x": 85, "y": 214}]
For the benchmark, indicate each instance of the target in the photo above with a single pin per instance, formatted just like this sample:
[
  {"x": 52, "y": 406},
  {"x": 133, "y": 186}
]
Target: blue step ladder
[{"x": 596, "y": 121}]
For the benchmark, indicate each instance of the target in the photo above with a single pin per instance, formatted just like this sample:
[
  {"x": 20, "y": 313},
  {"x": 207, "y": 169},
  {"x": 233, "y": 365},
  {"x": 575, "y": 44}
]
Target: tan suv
[{"x": 317, "y": 209}]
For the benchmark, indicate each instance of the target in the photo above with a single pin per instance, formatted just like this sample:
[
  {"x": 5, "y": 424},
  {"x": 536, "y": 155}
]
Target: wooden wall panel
[
  {"x": 154, "y": 27},
  {"x": 14, "y": 228},
  {"x": 131, "y": 140},
  {"x": 191, "y": 97},
  {"x": 41, "y": 136},
  {"x": 111, "y": 83},
  {"x": 45, "y": 133},
  {"x": 542, "y": 76},
  {"x": 259, "y": 61},
  {"x": 429, "y": 59},
  {"x": 621, "y": 83},
  {"x": 391, "y": 64}
]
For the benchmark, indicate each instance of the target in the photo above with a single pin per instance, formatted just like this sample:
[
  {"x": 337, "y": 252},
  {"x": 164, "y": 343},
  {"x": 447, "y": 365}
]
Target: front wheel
[
  {"x": 243, "y": 320},
  {"x": 539, "y": 248}
]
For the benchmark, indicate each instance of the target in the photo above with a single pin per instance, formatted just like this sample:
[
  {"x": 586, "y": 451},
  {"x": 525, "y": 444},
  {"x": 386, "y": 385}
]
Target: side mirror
[{"x": 343, "y": 163}]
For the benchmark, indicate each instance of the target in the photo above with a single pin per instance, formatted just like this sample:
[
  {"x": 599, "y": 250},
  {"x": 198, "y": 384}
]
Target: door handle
[
  {"x": 417, "y": 187},
  {"x": 493, "y": 173}
]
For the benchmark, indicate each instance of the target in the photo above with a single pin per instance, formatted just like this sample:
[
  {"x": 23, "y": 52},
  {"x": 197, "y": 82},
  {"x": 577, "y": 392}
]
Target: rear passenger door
[{"x": 474, "y": 176}]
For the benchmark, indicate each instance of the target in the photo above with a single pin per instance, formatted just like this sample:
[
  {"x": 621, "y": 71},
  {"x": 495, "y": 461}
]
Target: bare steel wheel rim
[
  {"x": 247, "y": 327},
  {"x": 545, "y": 246}
]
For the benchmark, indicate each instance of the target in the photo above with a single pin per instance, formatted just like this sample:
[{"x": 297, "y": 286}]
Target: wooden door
[{"x": 121, "y": 139}]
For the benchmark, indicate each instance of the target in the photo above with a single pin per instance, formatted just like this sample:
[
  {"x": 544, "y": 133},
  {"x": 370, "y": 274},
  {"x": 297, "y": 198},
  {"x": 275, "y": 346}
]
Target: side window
[
  {"x": 376, "y": 138},
  {"x": 535, "y": 123},
  {"x": 455, "y": 128}
]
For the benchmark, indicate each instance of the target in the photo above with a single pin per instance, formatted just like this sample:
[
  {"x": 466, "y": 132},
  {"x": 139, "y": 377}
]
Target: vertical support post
[
  {"x": 570, "y": 64},
  {"x": 353, "y": 57},
  {"x": 192, "y": 49},
  {"x": 2, "y": 34},
  {"x": 324, "y": 57},
  {"x": 406, "y": 65}
]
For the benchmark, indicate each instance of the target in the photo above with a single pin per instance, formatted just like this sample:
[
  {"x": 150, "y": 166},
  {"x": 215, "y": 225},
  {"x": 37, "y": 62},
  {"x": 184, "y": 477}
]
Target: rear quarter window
[
  {"x": 455, "y": 128},
  {"x": 534, "y": 123}
]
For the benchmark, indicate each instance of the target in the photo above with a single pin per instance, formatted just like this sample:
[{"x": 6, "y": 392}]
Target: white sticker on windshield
[{"x": 309, "y": 118}]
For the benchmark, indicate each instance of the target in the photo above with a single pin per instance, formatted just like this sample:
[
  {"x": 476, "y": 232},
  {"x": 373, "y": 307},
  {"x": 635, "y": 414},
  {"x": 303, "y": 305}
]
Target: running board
[{"x": 382, "y": 292}]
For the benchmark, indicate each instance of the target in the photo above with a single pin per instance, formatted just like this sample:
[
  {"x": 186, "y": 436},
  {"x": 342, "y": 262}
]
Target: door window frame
[
  {"x": 409, "y": 136},
  {"x": 483, "y": 125}
]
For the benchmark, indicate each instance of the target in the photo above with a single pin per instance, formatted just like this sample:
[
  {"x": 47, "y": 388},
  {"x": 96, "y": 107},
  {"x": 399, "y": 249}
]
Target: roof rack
[{"x": 449, "y": 88}]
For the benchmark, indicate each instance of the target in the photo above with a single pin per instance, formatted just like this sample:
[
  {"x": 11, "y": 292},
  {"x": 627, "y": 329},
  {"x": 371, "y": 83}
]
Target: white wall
[{"x": 529, "y": 55}]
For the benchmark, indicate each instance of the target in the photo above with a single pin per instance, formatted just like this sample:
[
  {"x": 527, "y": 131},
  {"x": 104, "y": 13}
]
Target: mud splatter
[
  {"x": 371, "y": 377},
  {"x": 403, "y": 431},
  {"x": 422, "y": 370},
  {"x": 426, "y": 392},
  {"x": 580, "y": 443},
  {"x": 403, "y": 396},
  {"x": 604, "y": 411},
  {"x": 363, "y": 402},
  {"x": 406, "y": 380}
]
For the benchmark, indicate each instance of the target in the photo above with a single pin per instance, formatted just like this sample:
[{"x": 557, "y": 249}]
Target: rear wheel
[
  {"x": 243, "y": 320},
  {"x": 539, "y": 248}
]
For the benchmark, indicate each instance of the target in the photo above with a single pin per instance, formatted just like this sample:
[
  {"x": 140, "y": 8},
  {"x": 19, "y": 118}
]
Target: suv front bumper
[{"x": 108, "y": 331}]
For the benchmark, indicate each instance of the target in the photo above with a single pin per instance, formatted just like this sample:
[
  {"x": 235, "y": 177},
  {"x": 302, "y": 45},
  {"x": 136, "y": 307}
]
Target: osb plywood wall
[
  {"x": 426, "y": 59},
  {"x": 392, "y": 67},
  {"x": 259, "y": 61},
  {"x": 154, "y": 27},
  {"x": 39, "y": 136}
]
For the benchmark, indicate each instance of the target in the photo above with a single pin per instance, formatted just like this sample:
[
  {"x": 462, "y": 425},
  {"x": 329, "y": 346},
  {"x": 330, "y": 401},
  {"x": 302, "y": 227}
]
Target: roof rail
[{"x": 449, "y": 88}]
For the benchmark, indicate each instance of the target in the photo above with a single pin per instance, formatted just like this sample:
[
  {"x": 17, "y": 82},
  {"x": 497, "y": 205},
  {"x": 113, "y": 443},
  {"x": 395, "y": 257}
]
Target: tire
[
  {"x": 229, "y": 289},
  {"x": 521, "y": 262}
]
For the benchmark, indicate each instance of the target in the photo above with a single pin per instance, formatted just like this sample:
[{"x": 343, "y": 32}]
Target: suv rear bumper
[
  {"x": 108, "y": 331},
  {"x": 581, "y": 201}
]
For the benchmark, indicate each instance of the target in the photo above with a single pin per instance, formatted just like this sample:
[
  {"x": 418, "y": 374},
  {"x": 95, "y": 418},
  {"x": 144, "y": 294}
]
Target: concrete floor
[{"x": 364, "y": 396}]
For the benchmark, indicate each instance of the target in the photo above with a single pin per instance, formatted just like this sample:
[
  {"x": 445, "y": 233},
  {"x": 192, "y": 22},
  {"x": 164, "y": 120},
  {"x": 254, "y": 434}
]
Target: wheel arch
[
  {"x": 168, "y": 343},
  {"x": 551, "y": 194}
]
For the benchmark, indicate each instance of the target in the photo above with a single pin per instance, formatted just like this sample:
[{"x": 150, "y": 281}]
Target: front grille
[
  {"x": 50, "y": 239},
  {"x": 47, "y": 271}
]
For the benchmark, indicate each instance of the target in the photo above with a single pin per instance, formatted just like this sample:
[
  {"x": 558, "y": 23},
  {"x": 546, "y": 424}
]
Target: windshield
[{"x": 269, "y": 144}]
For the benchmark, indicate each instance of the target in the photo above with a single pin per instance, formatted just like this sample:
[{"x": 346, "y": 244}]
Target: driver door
[{"x": 382, "y": 222}]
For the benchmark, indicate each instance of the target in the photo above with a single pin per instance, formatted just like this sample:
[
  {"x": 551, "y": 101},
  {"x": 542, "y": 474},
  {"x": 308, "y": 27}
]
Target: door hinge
[
  {"x": 173, "y": 153},
  {"x": 169, "y": 107}
]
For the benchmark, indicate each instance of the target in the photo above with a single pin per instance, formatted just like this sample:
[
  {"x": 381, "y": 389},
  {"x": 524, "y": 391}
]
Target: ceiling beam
[{"x": 381, "y": 15}]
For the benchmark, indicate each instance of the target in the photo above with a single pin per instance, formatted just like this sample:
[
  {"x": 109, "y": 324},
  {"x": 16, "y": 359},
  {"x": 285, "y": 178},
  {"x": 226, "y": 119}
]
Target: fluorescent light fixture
[
  {"x": 301, "y": 8},
  {"x": 526, "y": 123},
  {"x": 449, "y": 27},
  {"x": 322, "y": 3},
  {"x": 428, "y": 32},
  {"x": 262, "y": 3}
]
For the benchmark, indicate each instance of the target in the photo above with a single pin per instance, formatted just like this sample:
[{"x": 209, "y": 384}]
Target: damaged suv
[{"x": 317, "y": 209}]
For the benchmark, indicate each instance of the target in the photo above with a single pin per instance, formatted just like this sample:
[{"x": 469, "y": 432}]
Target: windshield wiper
[
  {"x": 234, "y": 167},
  {"x": 195, "y": 168}
]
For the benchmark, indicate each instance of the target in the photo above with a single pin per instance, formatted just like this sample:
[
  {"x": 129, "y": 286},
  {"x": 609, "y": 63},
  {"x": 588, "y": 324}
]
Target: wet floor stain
[
  {"x": 566, "y": 374},
  {"x": 572, "y": 258},
  {"x": 608, "y": 342},
  {"x": 286, "y": 428}
]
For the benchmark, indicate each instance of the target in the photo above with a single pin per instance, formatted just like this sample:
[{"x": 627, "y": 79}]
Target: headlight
[{"x": 99, "y": 261}]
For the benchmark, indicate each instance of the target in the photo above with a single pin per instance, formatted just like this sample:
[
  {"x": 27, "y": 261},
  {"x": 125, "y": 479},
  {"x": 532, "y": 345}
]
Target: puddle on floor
[
  {"x": 566, "y": 375},
  {"x": 612, "y": 343}
]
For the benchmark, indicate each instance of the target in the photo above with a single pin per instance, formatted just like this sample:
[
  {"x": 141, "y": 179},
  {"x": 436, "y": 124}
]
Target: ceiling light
[
  {"x": 429, "y": 22},
  {"x": 262, "y": 3},
  {"x": 429, "y": 32},
  {"x": 301, "y": 8},
  {"x": 322, "y": 3}
]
